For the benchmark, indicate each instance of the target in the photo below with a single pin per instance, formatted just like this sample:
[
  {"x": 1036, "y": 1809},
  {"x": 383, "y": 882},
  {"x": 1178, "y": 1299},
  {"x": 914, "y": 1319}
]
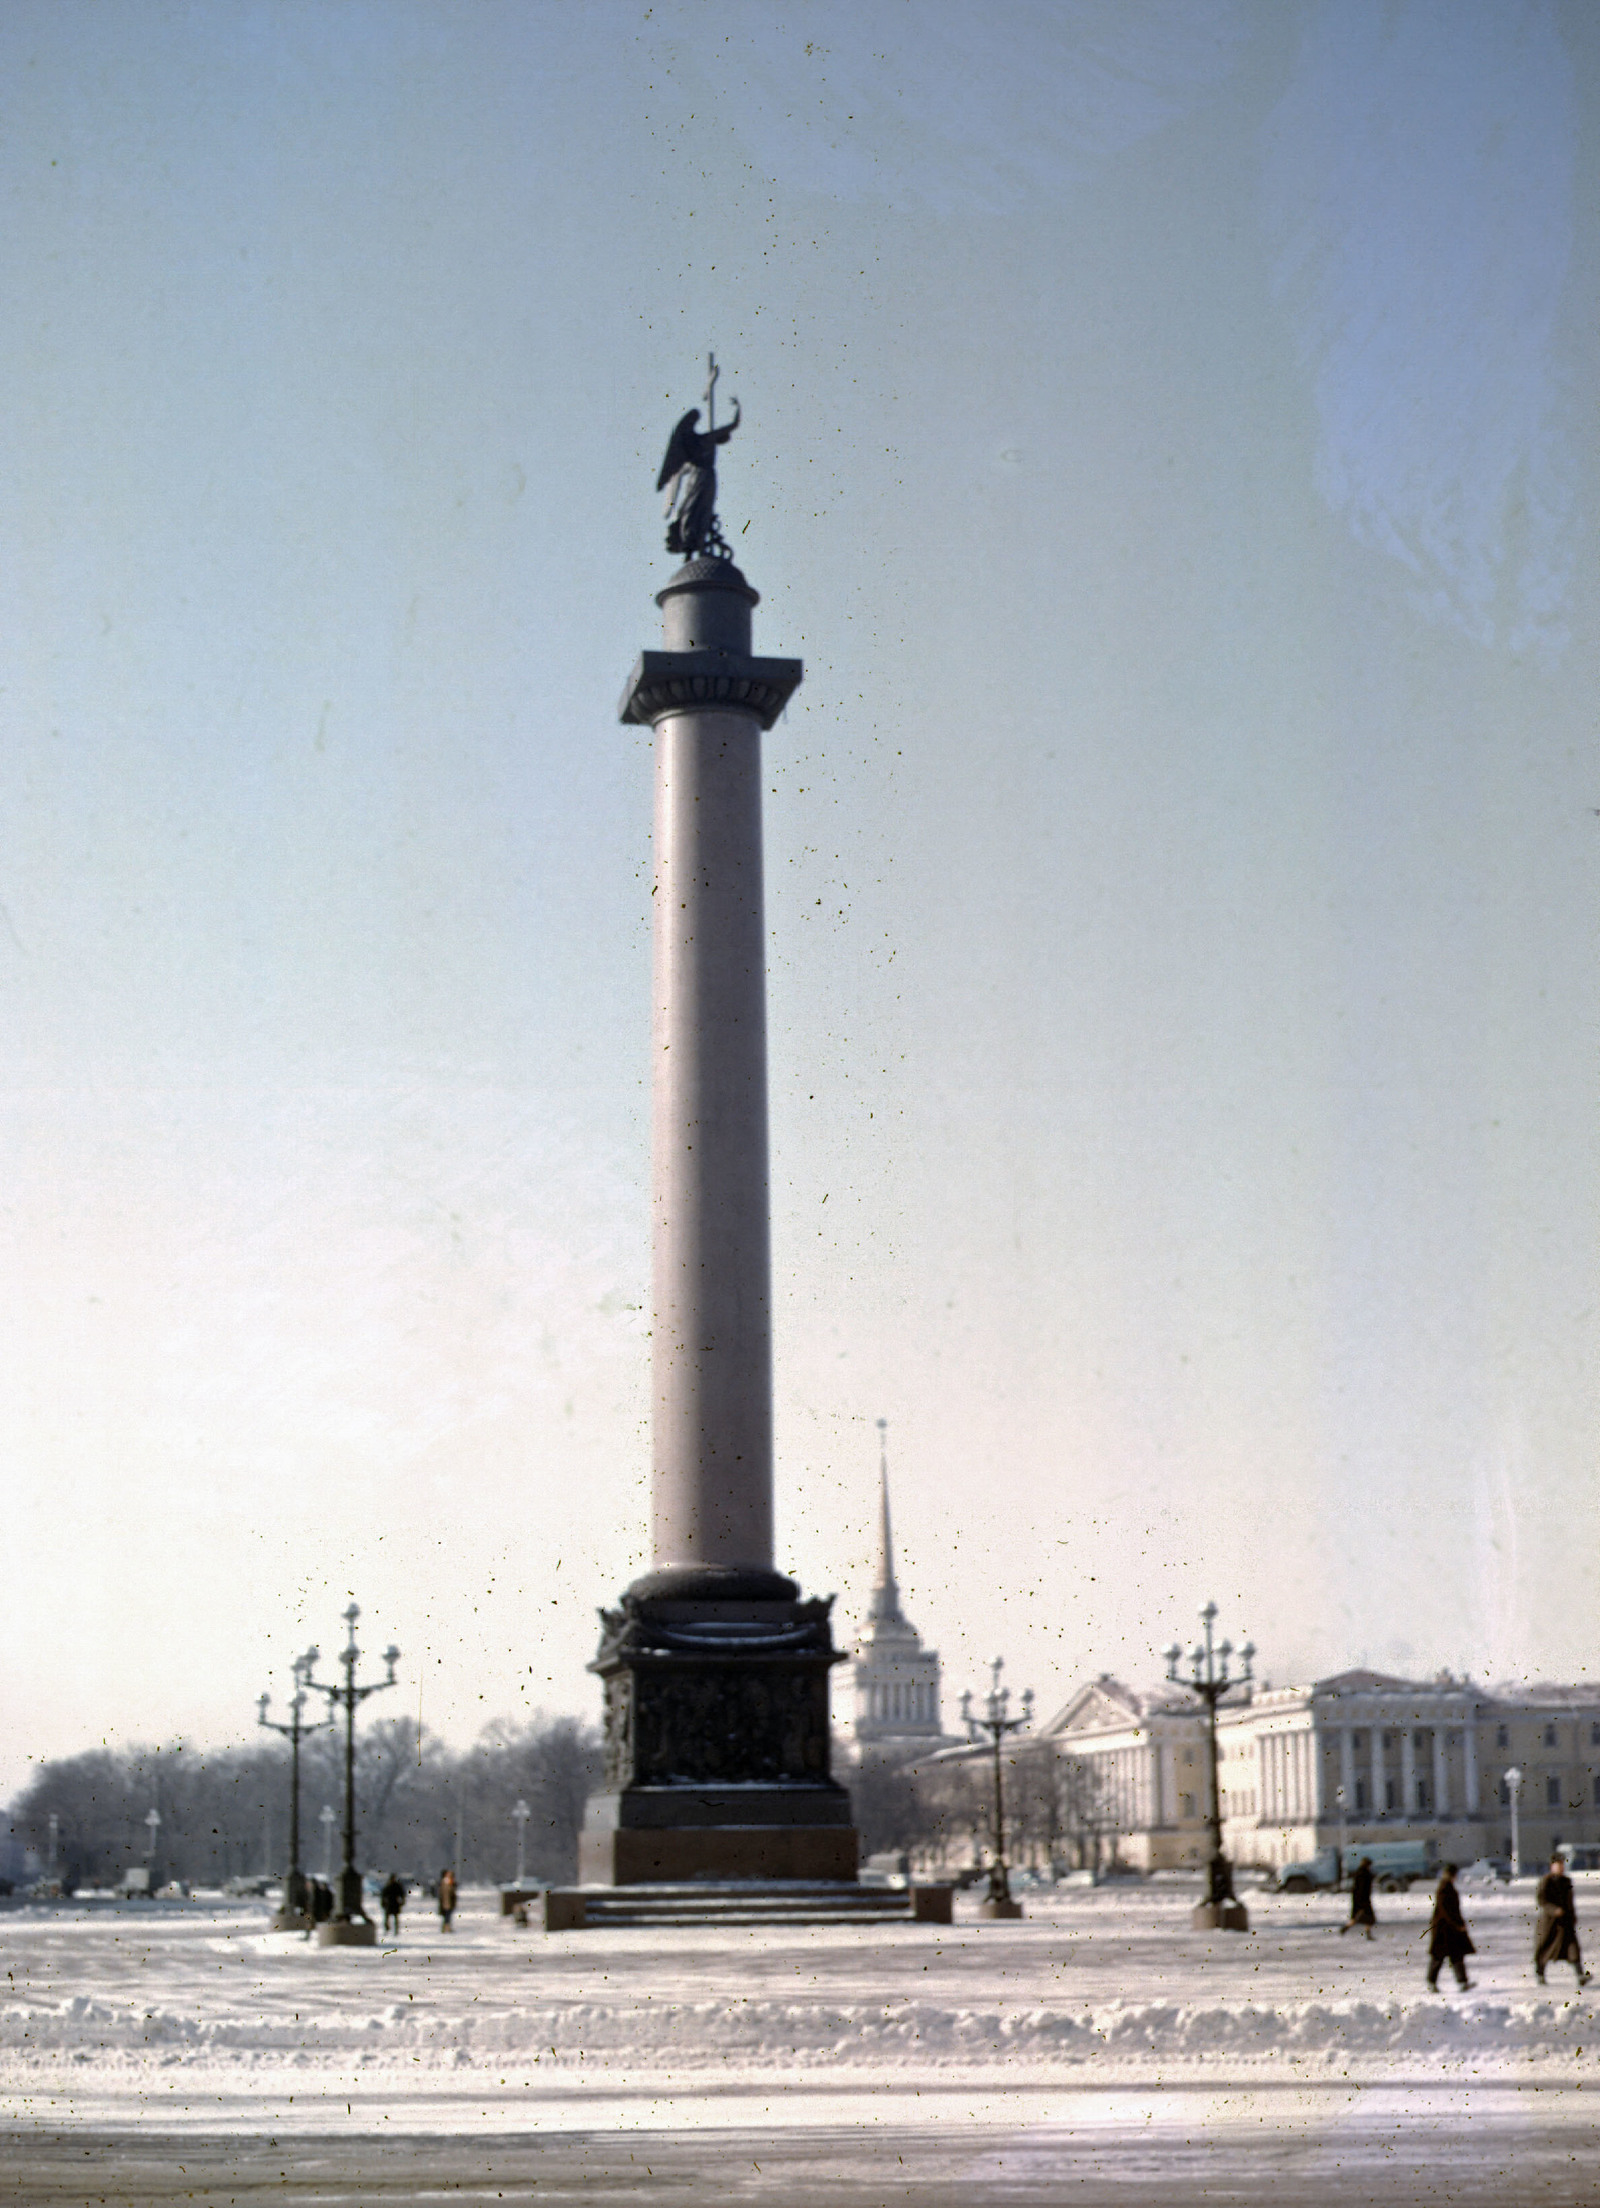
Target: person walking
[
  {"x": 446, "y": 1891},
  {"x": 1556, "y": 1938},
  {"x": 393, "y": 1898},
  {"x": 1449, "y": 1941},
  {"x": 1361, "y": 1912}
]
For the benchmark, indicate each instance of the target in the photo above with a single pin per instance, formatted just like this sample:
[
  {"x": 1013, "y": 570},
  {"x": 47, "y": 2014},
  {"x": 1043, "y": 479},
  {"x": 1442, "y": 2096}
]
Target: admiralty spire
[{"x": 897, "y": 1711}]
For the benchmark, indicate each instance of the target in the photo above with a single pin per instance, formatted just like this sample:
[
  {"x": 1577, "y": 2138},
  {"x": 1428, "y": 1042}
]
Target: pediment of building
[
  {"x": 1361, "y": 1681},
  {"x": 1105, "y": 1704}
]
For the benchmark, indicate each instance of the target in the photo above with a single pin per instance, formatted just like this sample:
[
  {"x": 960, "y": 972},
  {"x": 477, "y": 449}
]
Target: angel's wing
[{"x": 678, "y": 452}]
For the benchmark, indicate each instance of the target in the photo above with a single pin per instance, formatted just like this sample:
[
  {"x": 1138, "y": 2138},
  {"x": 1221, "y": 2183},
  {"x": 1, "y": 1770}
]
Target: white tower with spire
[{"x": 897, "y": 1710}]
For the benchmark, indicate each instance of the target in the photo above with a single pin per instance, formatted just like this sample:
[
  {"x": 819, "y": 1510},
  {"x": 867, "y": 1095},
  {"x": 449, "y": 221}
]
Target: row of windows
[
  {"x": 1502, "y": 1738},
  {"x": 1241, "y": 1802},
  {"x": 1554, "y": 1794}
]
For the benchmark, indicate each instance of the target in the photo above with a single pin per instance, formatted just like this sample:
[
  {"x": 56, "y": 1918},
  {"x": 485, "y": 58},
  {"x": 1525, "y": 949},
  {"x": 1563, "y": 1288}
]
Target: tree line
[
  {"x": 940, "y": 1816},
  {"x": 225, "y": 1811},
  {"x": 421, "y": 1805}
]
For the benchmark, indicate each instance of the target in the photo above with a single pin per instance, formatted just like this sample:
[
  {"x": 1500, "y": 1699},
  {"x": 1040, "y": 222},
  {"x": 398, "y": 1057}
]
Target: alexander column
[{"x": 716, "y": 1672}]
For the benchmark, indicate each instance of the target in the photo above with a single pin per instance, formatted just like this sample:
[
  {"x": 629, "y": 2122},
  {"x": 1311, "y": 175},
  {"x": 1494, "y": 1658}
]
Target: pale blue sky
[{"x": 1167, "y": 440}]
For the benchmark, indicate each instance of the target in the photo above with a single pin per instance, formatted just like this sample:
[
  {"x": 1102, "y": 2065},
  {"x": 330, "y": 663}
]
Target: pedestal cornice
[{"x": 682, "y": 682}]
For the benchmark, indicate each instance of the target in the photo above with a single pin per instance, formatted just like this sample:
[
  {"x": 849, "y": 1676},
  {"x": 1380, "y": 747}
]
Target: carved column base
[{"x": 717, "y": 1741}]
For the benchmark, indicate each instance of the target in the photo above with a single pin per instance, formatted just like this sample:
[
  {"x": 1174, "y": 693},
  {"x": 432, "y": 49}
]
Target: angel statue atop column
[{"x": 691, "y": 469}]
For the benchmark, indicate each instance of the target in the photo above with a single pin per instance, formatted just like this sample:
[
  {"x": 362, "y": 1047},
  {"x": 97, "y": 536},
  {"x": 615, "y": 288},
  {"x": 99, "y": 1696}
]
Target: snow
[{"x": 198, "y": 2014}]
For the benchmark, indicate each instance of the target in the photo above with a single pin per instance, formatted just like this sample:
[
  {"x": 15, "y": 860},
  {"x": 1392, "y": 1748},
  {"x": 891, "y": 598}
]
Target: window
[
  {"x": 1188, "y": 1755},
  {"x": 1185, "y": 1805},
  {"x": 1361, "y": 1792},
  {"x": 1505, "y": 1794},
  {"x": 1388, "y": 1742},
  {"x": 1594, "y": 1736},
  {"x": 1549, "y": 1736},
  {"x": 1419, "y": 1740},
  {"x": 1552, "y": 1793},
  {"x": 1597, "y": 1793},
  {"x": 1390, "y": 1794},
  {"x": 1502, "y": 1736},
  {"x": 1358, "y": 1741},
  {"x": 1424, "y": 1794}
]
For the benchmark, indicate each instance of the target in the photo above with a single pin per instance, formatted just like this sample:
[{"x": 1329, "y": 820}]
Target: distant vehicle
[
  {"x": 1396, "y": 1864},
  {"x": 260, "y": 1882},
  {"x": 134, "y": 1881},
  {"x": 1580, "y": 1855}
]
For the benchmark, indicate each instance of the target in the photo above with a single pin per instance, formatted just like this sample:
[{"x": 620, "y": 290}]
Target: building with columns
[
  {"x": 1143, "y": 1752},
  {"x": 897, "y": 1712},
  {"x": 1363, "y": 1755}
]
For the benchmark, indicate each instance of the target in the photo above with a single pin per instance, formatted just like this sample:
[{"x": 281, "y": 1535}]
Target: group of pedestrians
[
  {"x": 1449, "y": 1941},
  {"x": 393, "y": 1897}
]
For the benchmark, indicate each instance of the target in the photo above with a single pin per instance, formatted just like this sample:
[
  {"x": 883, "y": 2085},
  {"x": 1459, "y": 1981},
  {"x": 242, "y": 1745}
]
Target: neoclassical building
[
  {"x": 1361, "y": 1756},
  {"x": 1144, "y": 1751},
  {"x": 897, "y": 1714}
]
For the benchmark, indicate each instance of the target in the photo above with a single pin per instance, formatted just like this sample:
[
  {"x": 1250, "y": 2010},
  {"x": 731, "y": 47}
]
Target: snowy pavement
[{"x": 1101, "y": 2020}]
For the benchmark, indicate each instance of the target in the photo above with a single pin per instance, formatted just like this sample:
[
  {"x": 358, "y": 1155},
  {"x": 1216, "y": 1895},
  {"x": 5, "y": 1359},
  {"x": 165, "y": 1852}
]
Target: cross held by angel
[{"x": 691, "y": 470}]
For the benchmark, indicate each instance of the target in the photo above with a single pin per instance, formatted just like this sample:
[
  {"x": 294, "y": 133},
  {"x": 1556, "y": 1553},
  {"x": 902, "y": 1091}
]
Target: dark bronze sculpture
[{"x": 691, "y": 468}]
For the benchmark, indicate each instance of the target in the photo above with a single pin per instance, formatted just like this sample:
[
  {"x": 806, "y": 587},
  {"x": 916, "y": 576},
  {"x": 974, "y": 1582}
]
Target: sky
[{"x": 1167, "y": 440}]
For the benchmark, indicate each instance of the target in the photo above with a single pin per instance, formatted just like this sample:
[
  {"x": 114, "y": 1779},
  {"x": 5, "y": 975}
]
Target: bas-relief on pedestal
[{"x": 717, "y": 1744}]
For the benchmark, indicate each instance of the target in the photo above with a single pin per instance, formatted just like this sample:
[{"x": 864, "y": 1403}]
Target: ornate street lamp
[
  {"x": 993, "y": 1726},
  {"x": 521, "y": 1813},
  {"x": 1514, "y": 1789},
  {"x": 1342, "y": 1798},
  {"x": 153, "y": 1826},
  {"x": 327, "y": 1817},
  {"x": 1209, "y": 1678},
  {"x": 294, "y": 1910},
  {"x": 350, "y": 1926}
]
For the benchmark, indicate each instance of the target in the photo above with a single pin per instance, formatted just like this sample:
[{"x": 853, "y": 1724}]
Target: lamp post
[
  {"x": 293, "y": 1913},
  {"x": 55, "y": 1834},
  {"x": 350, "y": 1926},
  {"x": 152, "y": 1826},
  {"x": 521, "y": 1814},
  {"x": 1343, "y": 1801},
  {"x": 327, "y": 1817},
  {"x": 1514, "y": 1789},
  {"x": 1209, "y": 1678},
  {"x": 993, "y": 1726}
]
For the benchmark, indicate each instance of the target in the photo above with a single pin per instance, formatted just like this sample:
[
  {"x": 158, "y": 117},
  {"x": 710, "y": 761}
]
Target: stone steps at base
[{"x": 781, "y": 1902}]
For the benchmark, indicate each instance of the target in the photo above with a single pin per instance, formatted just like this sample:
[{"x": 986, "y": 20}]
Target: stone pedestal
[
  {"x": 717, "y": 1738},
  {"x": 1220, "y": 1916},
  {"x": 1002, "y": 1910},
  {"x": 347, "y": 1932}
]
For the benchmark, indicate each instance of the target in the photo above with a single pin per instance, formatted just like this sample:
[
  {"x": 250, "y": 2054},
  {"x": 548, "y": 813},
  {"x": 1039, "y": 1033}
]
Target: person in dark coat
[
  {"x": 1556, "y": 1939},
  {"x": 1361, "y": 1910},
  {"x": 393, "y": 1898},
  {"x": 1449, "y": 1941}
]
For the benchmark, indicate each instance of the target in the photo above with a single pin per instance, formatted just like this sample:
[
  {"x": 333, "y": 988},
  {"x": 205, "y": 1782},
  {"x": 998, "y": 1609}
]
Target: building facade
[
  {"x": 1363, "y": 1756},
  {"x": 1146, "y": 1795}
]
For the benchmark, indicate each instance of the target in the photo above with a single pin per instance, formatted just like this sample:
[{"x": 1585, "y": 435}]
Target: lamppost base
[
  {"x": 1006, "y": 1908},
  {"x": 347, "y": 1932},
  {"x": 1220, "y": 1916},
  {"x": 291, "y": 1920}
]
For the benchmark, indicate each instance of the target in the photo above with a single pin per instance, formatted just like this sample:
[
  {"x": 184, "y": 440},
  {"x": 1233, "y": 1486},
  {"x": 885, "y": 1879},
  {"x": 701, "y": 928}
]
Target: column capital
[{"x": 710, "y": 681}]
